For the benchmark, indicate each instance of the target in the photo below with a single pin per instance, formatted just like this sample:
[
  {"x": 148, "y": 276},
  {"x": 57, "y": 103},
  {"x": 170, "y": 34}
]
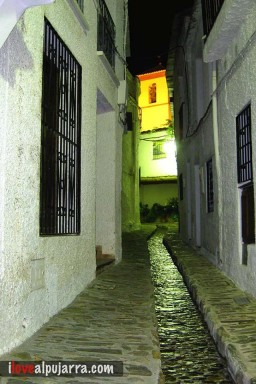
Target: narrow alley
[
  {"x": 138, "y": 316},
  {"x": 105, "y": 145}
]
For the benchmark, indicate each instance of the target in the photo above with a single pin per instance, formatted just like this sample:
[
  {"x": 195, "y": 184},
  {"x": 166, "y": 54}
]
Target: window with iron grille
[
  {"x": 106, "y": 33},
  {"x": 245, "y": 173},
  {"x": 158, "y": 150},
  {"x": 81, "y": 4},
  {"x": 210, "y": 10},
  {"x": 244, "y": 145},
  {"x": 209, "y": 181},
  {"x": 60, "y": 138}
]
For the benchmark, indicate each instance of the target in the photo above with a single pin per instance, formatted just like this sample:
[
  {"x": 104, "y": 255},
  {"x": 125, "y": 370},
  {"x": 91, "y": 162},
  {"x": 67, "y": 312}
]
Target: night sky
[{"x": 150, "y": 27}]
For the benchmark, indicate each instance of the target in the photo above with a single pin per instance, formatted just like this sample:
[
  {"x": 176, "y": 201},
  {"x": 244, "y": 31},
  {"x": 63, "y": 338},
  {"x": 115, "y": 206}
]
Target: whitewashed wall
[
  {"x": 231, "y": 49},
  {"x": 193, "y": 89},
  {"x": 64, "y": 264},
  {"x": 236, "y": 88}
]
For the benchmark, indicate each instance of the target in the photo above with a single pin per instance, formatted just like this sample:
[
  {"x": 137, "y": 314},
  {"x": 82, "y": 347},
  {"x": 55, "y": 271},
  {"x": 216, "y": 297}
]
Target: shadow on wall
[
  {"x": 14, "y": 55},
  {"x": 160, "y": 213}
]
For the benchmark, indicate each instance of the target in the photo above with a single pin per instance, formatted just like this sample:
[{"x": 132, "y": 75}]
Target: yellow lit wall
[{"x": 154, "y": 114}]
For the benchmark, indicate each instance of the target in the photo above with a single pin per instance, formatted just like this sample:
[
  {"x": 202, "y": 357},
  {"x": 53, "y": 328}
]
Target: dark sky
[{"x": 150, "y": 27}]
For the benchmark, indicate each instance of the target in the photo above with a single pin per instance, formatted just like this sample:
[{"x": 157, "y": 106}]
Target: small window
[
  {"x": 81, "y": 4},
  {"x": 158, "y": 150},
  {"x": 245, "y": 174},
  {"x": 209, "y": 181},
  {"x": 152, "y": 93},
  {"x": 244, "y": 145}
]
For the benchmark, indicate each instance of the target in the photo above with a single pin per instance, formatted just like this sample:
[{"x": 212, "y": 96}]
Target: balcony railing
[
  {"x": 106, "y": 33},
  {"x": 210, "y": 9}
]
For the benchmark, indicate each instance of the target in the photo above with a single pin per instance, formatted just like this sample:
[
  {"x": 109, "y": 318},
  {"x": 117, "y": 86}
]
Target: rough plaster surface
[
  {"x": 197, "y": 146},
  {"x": 62, "y": 266},
  {"x": 226, "y": 28},
  {"x": 221, "y": 238},
  {"x": 236, "y": 90}
]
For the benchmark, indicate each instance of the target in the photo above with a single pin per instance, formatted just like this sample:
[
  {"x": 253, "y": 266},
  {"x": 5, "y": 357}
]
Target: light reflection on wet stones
[{"x": 188, "y": 352}]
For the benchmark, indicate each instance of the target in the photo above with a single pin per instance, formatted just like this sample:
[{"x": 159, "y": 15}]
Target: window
[
  {"x": 106, "y": 33},
  {"x": 158, "y": 150},
  {"x": 152, "y": 93},
  {"x": 209, "y": 181},
  {"x": 244, "y": 145},
  {"x": 210, "y": 9},
  {"x": 60, "y": 138},
  {"x": 245, "y": 174},
  {"x": 81, "y": 4}
]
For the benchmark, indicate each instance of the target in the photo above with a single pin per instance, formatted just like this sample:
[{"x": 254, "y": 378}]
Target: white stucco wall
[
  {"x": 193, "y": 90},
  {"x": 41, "y": 275},
  {"x": 220, "y": 231},
  {"x": 236, "y": 88}
]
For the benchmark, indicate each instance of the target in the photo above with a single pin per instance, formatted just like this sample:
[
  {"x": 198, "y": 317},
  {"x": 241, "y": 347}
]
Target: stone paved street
[
  {"x": 188, "y": 352},
  {"x": 112, "y": 320},
  {"x": 229, "y": 312}
]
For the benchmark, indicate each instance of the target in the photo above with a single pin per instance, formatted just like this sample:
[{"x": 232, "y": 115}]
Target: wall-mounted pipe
[{"x": 217, "y": 157}]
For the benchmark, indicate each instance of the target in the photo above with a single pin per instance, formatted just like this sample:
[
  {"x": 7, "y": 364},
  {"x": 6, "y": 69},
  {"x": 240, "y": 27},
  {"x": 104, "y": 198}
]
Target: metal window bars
[
  {"x": 210, "y": 193},
  {"x": 106, "y": 33},
  {"x": 81, "y": 4},
  {"x": 60, "y": 140},
  {"x": 244, "y": 145},
  {"x": 210, "y": 9}
]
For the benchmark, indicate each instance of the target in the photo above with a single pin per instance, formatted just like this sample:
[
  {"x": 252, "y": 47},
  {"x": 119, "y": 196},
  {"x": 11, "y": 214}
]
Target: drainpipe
[
  {"x": 11, "y": 11},
  {"x": 125, "y": 32},
  {"x": 217, "y": 158}
]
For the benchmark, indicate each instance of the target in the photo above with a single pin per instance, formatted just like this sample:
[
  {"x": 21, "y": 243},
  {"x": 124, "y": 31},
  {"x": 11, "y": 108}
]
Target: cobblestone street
[
  {"x": 111, "y": 320},
  {"x": 188, "y": 352},
  {"x": 121, "y": 318}
]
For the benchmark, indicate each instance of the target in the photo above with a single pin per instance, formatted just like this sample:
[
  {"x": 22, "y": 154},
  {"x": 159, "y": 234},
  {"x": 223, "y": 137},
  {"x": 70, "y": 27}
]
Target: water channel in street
[{"x": 188, "y": 351}]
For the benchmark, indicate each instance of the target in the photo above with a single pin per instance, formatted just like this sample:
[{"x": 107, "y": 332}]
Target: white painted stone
[
  {"x": 11, "y": 11},
  {"x": 221, "y": 239},
  {"x": 226, "y": 28},
  {"x": 67, "y": 263}
]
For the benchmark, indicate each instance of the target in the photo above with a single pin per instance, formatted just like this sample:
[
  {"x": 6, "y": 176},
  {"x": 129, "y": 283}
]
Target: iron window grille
[
  {"x": 209, "y": 180},
  {"x": 158, "y": 150},
  {"x": 60, "y": 138},
  {"x": 106, "y": 33},
  {"x": 245, "y": 173},
  {"x": 81, "y": 4},
  {"x": 244, "y": 145},
  {"x": 210, "y": 9}
]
